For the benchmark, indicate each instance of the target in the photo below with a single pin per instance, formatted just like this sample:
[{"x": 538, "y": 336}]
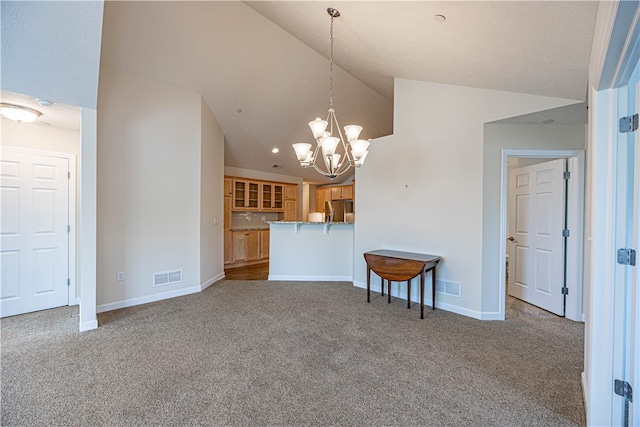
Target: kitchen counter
[
  {"x": 307, "y": 222},
  {"x": 248, "y": 228}
]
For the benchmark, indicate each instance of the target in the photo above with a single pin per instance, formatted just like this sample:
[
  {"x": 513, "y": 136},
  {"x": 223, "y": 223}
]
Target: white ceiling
[{"x": 269, "y": 59}]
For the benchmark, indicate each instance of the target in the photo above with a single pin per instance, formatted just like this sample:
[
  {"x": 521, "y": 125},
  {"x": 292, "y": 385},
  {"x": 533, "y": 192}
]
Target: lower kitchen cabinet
[
  {"x": 228, "y": 248},
  {"x": 264, "y": 244},
  {"x": 246, "y": 245}
]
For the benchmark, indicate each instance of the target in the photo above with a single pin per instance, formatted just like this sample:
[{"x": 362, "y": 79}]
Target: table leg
[
  {"x": 433, "y": 289},
  {"x": 409, "y": 293},
  {"x": 382, "y": 286},
  {"x": 422, "y": 295},
  {"x": 368, "y": 283},
  {"x": 389, "y": 291}
]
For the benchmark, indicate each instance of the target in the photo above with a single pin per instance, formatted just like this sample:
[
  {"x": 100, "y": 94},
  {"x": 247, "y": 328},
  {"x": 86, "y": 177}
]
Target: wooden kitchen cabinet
[
  {"x": 290, "y": 192},
  {"x": 228, "y": 187},
  {"x": 343, "y": 192},
  {"x": 246, "y": 195},
  {"x": 272, "y": 197},
  {"x": 290, "y": 210},
  {"x": 264, "y": 244},
  {"x": 323, "y": 194},
  {"x": 246, "y": 245},
  {"x": 228, "y": 247}
]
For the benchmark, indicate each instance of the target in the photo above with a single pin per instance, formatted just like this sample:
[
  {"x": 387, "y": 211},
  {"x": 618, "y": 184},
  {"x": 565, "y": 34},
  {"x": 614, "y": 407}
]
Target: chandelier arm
[{"x": 331, "y": 67}]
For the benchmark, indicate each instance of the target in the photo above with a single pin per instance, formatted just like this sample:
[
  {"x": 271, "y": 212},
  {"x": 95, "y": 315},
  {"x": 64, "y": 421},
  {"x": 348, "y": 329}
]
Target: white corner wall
[
  {"x": 149, "y": 141},
  {"x": 211, "y": 199},
  {"x": 421, "y": 188},
  {"x": 499, "y": 136}
]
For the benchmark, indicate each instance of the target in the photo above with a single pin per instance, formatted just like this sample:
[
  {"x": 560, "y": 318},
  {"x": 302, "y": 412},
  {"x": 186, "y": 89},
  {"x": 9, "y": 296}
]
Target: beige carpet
[{"x": 288, "y": 353}]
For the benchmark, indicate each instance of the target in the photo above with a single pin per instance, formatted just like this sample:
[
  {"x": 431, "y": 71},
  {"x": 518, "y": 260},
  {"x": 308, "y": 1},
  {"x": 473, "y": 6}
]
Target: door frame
[
  {"x": 575, "y": 223},
  {"x": 72, "y": 295}
]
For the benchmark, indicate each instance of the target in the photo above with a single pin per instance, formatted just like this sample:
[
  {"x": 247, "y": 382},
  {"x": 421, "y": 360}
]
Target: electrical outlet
[
  {"x": 215, "y": 221},
  {"x": 264, "y": 217},
  {"x": 120, "y": 276}
]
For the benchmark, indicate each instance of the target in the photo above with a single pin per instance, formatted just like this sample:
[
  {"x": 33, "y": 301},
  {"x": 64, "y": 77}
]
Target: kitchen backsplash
[{"x": 252, "y": 219}]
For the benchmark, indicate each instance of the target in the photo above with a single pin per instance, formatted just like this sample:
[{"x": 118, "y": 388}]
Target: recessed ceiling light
[
  {"x": 440, "y": 18},
  {"x": 275, "y": 150},
  {"x": 18, "y": 113},
  {"x": 548, "y": 121},
  {"x": 239, "y": 110}
]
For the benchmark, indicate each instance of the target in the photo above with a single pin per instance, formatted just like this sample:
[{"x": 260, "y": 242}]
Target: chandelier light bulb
[
  {"x": 302, "y": 150},
  {"x": 329, "y": 145},
  {"x": 358, "y": 148},
  {"x": 352, "y": 132},
  {"x": 318, "y": 127}
]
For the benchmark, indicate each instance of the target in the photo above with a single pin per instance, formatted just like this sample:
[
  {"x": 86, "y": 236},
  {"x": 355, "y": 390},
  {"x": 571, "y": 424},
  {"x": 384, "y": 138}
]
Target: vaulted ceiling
[{"x": 263, "y": 67}]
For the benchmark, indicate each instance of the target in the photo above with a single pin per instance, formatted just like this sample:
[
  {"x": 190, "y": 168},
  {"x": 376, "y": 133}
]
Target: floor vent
[
  {"x": 167, "y": 278},
  {"x": 448, "y": 287}
]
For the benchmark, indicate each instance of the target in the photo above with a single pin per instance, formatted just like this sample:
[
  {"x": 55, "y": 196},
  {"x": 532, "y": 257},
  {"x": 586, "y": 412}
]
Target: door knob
[{"x": 512, "y": 239}]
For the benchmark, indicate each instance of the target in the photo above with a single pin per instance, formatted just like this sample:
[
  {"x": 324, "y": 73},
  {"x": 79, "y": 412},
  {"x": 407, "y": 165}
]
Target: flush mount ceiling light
[
  {"x": 18, "y": 113},
  {"x": 335, "y": 164}
]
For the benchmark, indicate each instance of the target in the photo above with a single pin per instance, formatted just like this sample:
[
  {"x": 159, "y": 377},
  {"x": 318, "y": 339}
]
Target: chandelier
[{"x": 329, "y": 143}]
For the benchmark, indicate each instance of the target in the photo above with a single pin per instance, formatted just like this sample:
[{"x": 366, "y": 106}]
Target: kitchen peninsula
[{"x": 311, "y": 251}]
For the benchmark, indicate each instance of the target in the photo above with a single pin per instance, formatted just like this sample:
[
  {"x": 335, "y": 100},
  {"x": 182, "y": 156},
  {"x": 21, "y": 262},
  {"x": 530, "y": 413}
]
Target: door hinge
[
  {"x": 565, "y": 233},
  {"x": 69, "y": 175},
  {"x": 565, "y": 291},
  {"x": 68, "y": 282},
  {"x": 624, "y": 389},
  {"x": 68, "y": 229},
  {"x": 628, "y": 123},
  {"x": 566, "y": 175},
  {"x": 626, "y": 256}
]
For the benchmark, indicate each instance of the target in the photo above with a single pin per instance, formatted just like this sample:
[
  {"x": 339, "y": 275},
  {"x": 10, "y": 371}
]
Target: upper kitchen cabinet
[
  {"x": 272, "y": 197},
  {"x": 343, "y": 192},
  {"x": 246, "y": 195},
  {"x": 228, "y": 187},
  {"x": 291, "y": 192}
]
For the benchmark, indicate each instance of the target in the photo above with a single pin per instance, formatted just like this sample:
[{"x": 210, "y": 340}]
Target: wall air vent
[
  {"x": 448, "y": 287},
  {"x": 167, "y": 278}
]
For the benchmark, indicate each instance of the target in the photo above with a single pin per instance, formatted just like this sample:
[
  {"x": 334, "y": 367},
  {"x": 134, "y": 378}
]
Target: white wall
[
  {"x": 149, "y": 146},
  {"x": 499, "y": 136},
  {"x": 311, "y": 255},
  {"x": 421, "y": 188},
  {"x": 211, "y": 205}
]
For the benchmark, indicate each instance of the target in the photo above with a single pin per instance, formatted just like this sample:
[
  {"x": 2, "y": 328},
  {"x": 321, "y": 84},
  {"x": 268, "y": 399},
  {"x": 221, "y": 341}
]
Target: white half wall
[
  {"x": 211, "y": 198},
  {"x": 421, "y": 188},
  {"x": 149, "y": 147},
  {"x": 306, "y": 253}
]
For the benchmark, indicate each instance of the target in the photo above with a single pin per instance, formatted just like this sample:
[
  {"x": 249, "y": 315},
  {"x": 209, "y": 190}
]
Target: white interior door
[
  {"x": 34, "y": 237},
  {"x": 536, "y": 222}
]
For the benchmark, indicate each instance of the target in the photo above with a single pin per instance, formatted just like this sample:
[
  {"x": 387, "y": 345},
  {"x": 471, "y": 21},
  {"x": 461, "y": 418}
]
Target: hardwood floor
[{"x": 249, "y": 272}]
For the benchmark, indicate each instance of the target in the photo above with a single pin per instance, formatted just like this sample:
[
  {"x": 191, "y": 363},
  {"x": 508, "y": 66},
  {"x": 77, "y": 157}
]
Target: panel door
[
  {"x": 34, "y": 236},
  {"x": 536, "y": 222},
  {"x": 239, "y": 246}
]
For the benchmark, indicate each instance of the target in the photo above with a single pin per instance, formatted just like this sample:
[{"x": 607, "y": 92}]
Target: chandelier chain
[{"x": 331, "y": 67}]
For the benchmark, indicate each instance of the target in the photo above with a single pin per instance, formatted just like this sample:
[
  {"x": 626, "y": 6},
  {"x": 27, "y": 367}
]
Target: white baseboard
[
  {"x": 311, "y": 278},
  {"x": 211, "y": 281},
  {"x": 440, "y": 305},
  {"x": 147, "y": 299},
  {"x": 585, "y": 396},
  {"x": 87, "y": 326}
]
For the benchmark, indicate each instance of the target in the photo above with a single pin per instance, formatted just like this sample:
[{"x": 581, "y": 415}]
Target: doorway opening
[{"x": 573, "y": 271}]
